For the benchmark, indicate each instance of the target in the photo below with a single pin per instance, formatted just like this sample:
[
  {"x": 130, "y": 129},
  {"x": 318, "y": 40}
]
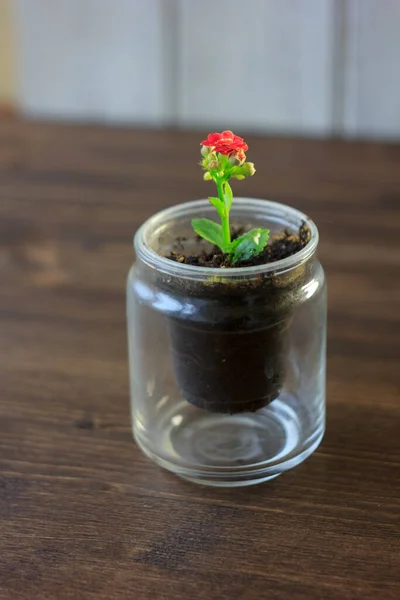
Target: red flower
[{"x": 227, "y": 143}]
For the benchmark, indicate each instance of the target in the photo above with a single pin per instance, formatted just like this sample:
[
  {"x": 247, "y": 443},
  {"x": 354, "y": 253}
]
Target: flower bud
[
  {"x": 214, "y": 165},
  {"x": 247, "y": 169},
  {"x": 205, "y": 150},
  {"x": 207, "y": 176},
  {"x": 233, "y": 160}
]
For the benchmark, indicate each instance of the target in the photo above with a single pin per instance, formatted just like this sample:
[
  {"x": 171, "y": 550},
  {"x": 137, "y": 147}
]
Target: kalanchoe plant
[{"x": 223, "y": 159}]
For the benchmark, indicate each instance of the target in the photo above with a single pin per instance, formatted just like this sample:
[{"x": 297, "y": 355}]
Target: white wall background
[{"x": 294, "y": 66}]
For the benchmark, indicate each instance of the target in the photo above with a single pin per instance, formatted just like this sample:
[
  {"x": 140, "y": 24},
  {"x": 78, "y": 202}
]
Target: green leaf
[
  {"x": 210, "y": 231},
  {"x": 219, "y": 205},
  {"x": 248, "y": 245},
  {"x": 227, "y": 196}
]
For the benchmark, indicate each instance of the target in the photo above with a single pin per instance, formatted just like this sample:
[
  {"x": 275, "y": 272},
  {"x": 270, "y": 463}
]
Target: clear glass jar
[{"x": 227, "y": 366}]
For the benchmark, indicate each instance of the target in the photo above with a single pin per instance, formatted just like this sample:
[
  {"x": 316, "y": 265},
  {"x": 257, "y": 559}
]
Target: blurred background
[{"x": 308, "y": 67}]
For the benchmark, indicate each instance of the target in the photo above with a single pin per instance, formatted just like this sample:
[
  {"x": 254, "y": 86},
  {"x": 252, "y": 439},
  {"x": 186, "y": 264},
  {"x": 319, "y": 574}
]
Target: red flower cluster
[{"x": 227, "y": 143}]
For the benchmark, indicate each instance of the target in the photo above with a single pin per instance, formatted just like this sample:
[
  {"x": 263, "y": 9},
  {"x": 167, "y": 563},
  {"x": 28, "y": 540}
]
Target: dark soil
[{"x": 281, "y": 246}]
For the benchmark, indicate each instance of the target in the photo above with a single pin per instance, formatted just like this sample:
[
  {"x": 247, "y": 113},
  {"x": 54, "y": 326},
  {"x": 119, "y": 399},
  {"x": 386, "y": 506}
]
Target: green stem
[{"x": 226, "y": 230}]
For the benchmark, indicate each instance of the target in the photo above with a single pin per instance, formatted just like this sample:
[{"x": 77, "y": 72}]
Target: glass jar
[{"x": 227, "y": 366}]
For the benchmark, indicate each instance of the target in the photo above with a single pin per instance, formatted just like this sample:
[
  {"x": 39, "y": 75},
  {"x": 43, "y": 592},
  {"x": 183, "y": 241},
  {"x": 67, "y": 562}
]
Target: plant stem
[{"x": 226, "y": 230}]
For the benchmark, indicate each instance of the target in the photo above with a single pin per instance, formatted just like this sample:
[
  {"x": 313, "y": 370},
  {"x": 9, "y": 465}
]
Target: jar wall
[{"x": 220, "y": 443}]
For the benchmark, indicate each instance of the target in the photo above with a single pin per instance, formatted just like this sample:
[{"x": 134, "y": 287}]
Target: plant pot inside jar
[{"x": 228, "y": 344}]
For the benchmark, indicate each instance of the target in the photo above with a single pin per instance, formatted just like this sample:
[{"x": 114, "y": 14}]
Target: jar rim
[{"x": 250, "y": 205}]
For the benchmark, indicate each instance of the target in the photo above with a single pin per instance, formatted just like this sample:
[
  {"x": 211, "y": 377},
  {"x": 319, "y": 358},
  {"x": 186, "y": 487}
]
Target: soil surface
[{"x": 280, "y": 246}]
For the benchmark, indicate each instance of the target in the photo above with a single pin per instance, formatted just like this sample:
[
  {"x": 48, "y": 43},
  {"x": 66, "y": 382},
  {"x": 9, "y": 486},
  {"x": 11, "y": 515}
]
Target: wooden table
[{"x": 83, "y": 513}]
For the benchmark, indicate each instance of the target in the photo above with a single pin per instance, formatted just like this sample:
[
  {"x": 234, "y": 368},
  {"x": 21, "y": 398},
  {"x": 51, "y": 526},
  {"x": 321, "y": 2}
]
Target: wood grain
[{"x": 83, "y": 513}]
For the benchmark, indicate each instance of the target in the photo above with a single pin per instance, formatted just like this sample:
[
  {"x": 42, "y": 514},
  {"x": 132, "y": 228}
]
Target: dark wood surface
[{"x": 83, "y": 513}]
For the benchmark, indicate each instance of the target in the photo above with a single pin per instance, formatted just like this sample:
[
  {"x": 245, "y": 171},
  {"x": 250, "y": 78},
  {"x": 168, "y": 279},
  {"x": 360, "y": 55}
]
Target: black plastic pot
[{"x": 229, "y": 342}]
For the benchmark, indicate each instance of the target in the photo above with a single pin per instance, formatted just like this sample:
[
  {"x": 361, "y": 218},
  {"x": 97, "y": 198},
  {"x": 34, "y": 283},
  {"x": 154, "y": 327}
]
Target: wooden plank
[
  {"x": 261, "y": 64},
  {"x": 83, "y": 59},
  {"x": 371, "y": 64}
]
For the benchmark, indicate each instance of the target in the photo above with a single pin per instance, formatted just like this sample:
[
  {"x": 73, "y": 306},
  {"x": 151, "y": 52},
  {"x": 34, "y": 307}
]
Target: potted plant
[{"x": 237, "y": 305}]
